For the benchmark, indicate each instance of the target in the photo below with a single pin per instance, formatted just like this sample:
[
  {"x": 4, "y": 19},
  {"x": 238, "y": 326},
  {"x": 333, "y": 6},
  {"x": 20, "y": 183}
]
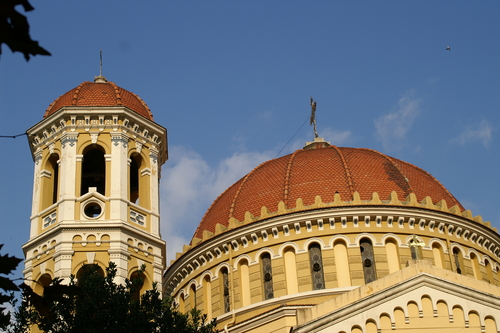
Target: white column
[
  {"x": 63, "y": 258},
  {"x": 119, "y": 176},
  {"x": 35, "y": 204},
  {"x": 119, "y": 254},
  {"x": 67, "y": 177},
  {"x": 155, "y": 197}
]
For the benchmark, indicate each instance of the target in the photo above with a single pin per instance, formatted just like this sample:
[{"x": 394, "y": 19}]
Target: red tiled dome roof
[
  {"x": 100, "y": 94},
  {"x": 324, "y": 171}
]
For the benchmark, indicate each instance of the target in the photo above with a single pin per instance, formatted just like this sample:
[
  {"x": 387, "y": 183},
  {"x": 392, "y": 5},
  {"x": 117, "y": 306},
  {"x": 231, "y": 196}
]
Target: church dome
[
  {"x": 323, "y": 172},
  {"x": 100, "y": 93}
]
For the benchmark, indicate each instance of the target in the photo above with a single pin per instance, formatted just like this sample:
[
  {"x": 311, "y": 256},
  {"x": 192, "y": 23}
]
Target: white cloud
[
  {"x": 189, "y": 185},
  {"x": 479, "y": 132},
  {"x": 393, "y": 127},
  {"x": 336, "y": 137}
]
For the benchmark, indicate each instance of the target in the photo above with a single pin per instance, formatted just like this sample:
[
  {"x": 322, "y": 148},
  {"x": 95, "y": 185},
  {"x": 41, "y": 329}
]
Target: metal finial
[
  {"x": 100, "y": 78},
  {"x": 313, "y": 117}
]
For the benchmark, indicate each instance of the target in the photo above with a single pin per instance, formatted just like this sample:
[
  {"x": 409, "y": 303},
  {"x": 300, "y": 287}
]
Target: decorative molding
[
  {"x": 69, "y": 138},
  {"x": 38, "y": 155},
  {"x": 45, "y": 173},
  {"x": 138, "y": 146},
  {"x": 90, "y": 257},
  {"x": 93, "y": 137},
  {"x": 43, "y": 267},
  {"x": 404, "y": 217},
  {"x": 51, "y": 147},
  {"x": 118, "y": 138},
  {"x": 146, "y": 172}
]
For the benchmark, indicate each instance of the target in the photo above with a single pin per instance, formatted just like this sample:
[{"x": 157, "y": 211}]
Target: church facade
[
  {"x": 343, "y": 240},
  {"x": 326, "y": 239}
]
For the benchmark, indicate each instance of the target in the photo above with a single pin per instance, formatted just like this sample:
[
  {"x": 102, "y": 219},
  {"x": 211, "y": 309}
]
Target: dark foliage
[
  {"x": 15, "y": 29},
  {"x": 96, "y": 304},
  {"x": 7, "y": 287}
]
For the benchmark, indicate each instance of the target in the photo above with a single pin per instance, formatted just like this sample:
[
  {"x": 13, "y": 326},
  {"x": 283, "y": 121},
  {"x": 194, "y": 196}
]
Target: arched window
[
  {"x": 368, "y": 260},
  {"x": 292, "y": 286},
  {"x": 50, "y": 181},
  {"x": 316, "y": 262},
  {"x": 391, "y": 248},
  {"x": 489, "y": 272},
  {"x": 44, "y": 281},
  {"x": 207, "y": 296},
  {"x": 458, "y": 259},
  {"x": 182, "y": 304},
  {"x": 244, "y": 282},
  {"x": 192, "y": 297},
  {"x": 267, "y": 275},
  {"x": 458, "y": 316},
  {"x": 226, "y": 298},
  {"x": 437, "y": 251},
  {"x": 87, "y": 270},
  {"x": 342, "y": 264},
  {"x": 490, "y": 326},
  {"x": 137, "y": 278},
  {"x": 55, "y": 176},
  {"x": 371, "y": 327},
  {"x": 475, "y": 266},
  {"x": 93, "y": 170},
  {"x": 135, "y": 164}
]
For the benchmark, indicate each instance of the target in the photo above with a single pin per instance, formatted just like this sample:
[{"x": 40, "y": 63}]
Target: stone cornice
[
  {"x": 98, "y": 119},
  {"x": 403, "y": 219}
]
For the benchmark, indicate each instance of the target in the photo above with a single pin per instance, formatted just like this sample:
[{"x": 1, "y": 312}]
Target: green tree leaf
[
  {"x": 15, "y": 29},
  {"x": 95, "y": 303}
]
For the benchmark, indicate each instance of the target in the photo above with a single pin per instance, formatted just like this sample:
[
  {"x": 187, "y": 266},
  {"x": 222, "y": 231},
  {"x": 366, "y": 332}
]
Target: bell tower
[{"x": 98, "y": 156}]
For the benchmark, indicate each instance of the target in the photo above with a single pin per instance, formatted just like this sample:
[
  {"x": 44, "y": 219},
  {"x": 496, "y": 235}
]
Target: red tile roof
[
  {"x": 100, "y": 94},
  {"x": 324, "y": 171}
]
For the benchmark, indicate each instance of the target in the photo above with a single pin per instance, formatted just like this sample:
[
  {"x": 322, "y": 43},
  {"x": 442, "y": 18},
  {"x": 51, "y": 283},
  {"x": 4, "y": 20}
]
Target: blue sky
[{"x": 231, "y": 81}]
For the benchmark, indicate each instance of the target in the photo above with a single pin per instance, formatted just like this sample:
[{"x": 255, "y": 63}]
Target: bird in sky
[{"x": 448, "y": 48}]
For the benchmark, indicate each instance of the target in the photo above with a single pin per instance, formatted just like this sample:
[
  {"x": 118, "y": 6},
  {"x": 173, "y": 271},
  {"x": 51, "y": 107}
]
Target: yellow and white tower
[{"x": 98, "y": 155}]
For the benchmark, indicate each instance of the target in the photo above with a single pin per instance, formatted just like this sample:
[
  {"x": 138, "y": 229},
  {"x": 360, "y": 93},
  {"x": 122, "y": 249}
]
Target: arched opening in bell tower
[
  {"x": 43, "y": 281},
  {"x": 135, "y": 165},
  {"x": 138, "y": 281},
  {"x": 88, "y": 269},
  {"x": 93, "y": 170},
  {"x": 50, "y": 181}
]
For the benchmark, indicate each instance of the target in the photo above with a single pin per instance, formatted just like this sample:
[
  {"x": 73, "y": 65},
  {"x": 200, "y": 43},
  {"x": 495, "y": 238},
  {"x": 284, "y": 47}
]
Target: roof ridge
[
  {"x": 117, "y": 93},
  {"x": 287, "y": 176},
  {"x": 233, "y": 202},
  {"x": 346, "y": 168},
  {"x": 142, "y": 102},
  {"x": 76, "y": 93}
]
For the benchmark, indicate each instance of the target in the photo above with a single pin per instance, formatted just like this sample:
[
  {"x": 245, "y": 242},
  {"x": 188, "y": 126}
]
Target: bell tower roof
[{"x": 101, "y": 92}]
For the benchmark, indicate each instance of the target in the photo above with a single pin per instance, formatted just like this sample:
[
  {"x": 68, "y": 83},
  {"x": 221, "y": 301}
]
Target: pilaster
[
  {"x": 119, "y": 255},
  {"x": 119, "y": 176},
  {"x": 67, "y": 176},
  {"x": 35, "y": 202},
  {"x": 155, "y": 222},
  {"x": 63, "y": 264}
]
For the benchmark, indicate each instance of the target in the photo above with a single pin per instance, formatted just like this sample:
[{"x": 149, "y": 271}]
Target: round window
[{"x": 92, "y": 210}]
